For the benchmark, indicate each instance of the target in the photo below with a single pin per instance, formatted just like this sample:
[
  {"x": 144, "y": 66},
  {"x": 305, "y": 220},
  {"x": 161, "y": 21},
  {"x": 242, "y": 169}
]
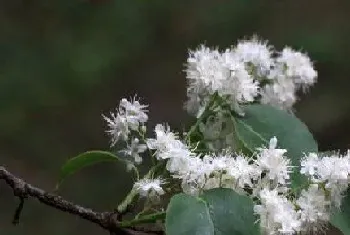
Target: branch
[{"x": 107, "y": 220}]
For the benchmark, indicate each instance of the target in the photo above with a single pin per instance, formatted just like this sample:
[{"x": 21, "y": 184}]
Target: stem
[
  {"x": 136, "y": 172},
  {"x": 148, "y": 209},
  {"x": 220, "y": 184},
  {"x": 106, "y": 220},
  {"x": 144, "y": 219},
  {"x": 122, "y": 207},
  {"x": 142, "y": 135},
  {"x": 201, "y": 118}
]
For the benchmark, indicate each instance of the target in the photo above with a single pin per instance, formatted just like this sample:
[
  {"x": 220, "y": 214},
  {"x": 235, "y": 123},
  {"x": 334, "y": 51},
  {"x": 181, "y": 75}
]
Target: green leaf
[
  {"x": 247, "y": 138},
  {"x": 262, "y": 122},
  {"x": 83, "y": 160},
  {"x": 187, "y": 215},
  {"x": 230, "y": 212},
  {"x": 341, "y": 219},
  {"x": 216, "y": 212}
]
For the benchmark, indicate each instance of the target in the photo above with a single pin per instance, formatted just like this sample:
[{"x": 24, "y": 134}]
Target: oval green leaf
[
  {"x": 231, "y": 212},
  {"x": 83, "y": 160},
  {"x": 187, "y": 215},
  {"x": 216, "y": 212},
  {"x": 262, "y": 122}
]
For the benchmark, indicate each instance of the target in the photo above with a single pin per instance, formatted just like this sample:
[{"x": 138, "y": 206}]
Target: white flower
[
  {"x": 134, "y": 112},
  {"x": 180, "y": 159},
  {"x": 209, "y": 71},
  {"x": 128, "y": 117},
  {"x": 118, "y": 128},
  {"x": 205, "y": 68},
  {"x": 273, "y": 162},
  {"x": 167, "y": 144},
  {"x": 291, "y": 71},
  {"x": 221, "y": 162},
  {"x": 277, "y": 213},
  {"x": 314, "y": 207},
  {"x": 255, "y": 52},
  {"x": 149, "y": 187},
  {"x": 247, "y": 87},
  {"x": 239, "y": 85},
  {"x": 164, "y": 138},
  {"x": 193, "y": 175},
  {"x": 334, "y": 168},
  {"x": 178, "y": 166},
  {"x": 280, "y": 92},
  {"x": 134, "y": 149},
  {"x": 298, "y": 67},
  {"x": 337, "y": 193},
  {"x": 333, "y": 171},
  {"x": 182, "y": 163},
  {"x": 243, "y": 172},
  {"x": 309, "y": 164}
]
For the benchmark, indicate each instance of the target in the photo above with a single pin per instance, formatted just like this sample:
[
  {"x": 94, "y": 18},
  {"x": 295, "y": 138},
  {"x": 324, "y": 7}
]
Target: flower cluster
[
  {"x": 265, "y": 176},
  {"x": 230, "y": 170},
  {"x": 329, "y": 178},
  {"x": 332, "y": 172},
  {"x": 268, "y": 177},
  {"x": 127, "y": 123},
  {"x": 246, "y": 73},
  {"x": 277, "y": 213},
  {"x": 250, "y": 72}
]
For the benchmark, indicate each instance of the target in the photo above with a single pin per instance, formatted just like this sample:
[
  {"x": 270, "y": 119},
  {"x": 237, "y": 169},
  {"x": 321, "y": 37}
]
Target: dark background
[{"x": 65, "y": 62}]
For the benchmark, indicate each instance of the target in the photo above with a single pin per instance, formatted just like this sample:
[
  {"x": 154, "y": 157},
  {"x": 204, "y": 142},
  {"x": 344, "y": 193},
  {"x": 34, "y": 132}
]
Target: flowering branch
[
  {"x": 228, "y": 165},
  {"x": 107, "y": 220}
]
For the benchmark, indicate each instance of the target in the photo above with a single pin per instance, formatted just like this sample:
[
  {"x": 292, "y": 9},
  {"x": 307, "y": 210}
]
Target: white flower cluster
[
  {"x": 250, "y": 72},
  {"x": 246, "y": 73},
  {"x": 329, "y": 178},
  {"x": 277, "y": 213},
  {"x": 331, "y": 171},
  {"x": 280, "y": 215},
  {"x": 130, "y": 117},
  {"x": 267, "y": 176},
  {"x": 199, "y": 172}
]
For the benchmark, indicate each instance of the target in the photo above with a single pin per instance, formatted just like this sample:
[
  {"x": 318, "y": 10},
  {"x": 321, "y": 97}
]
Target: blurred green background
[{"x": 65, "y": 62}]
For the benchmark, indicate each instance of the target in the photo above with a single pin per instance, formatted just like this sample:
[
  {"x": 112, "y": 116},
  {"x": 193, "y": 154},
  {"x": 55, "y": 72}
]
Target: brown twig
[{"x": 107, "y": 220}]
